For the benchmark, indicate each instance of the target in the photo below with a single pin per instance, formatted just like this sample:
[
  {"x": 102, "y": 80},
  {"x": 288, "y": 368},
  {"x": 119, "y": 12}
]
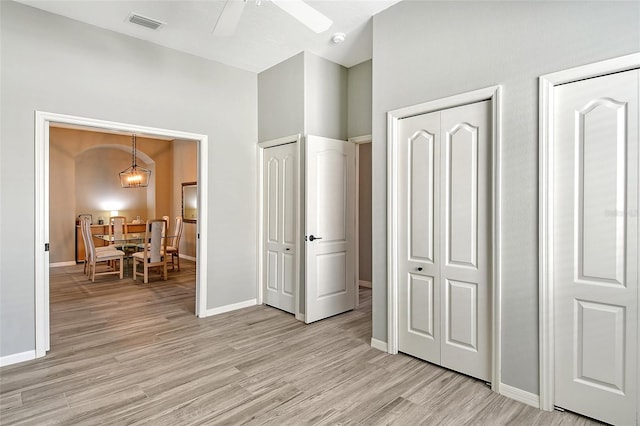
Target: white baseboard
[
  {"x": 379, "y": 345},
  {"x": 59, "y": 264},
  {"x": 229, "y": 308},
  {"x": 16, "y": 358},
  {"x": 366, "y": 284},
  {"x": 300, "y": 317},
  {"x": 184, "y": 256},
  {"x": 519, "y": 395}
]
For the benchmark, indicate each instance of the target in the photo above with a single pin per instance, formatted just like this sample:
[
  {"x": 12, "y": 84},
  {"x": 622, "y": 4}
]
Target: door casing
[
  {"x": 42, "y": 121},
  {"x": 546, "y": 208},
  {"x": 297, "y": 139},
  {"x": 492, "y": 94},
  {"x": 358, "y": 140}
]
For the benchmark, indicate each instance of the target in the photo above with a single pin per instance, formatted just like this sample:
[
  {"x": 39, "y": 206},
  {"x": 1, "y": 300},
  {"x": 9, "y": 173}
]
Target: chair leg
[
  {"x": 177, "y": 255},
  {"x": 121, "y": 267},
  {"x": 165, "y": 268},
  {"x": 170, "y": 260},
  {"x": 135, "y": 267},
  {"x": 146, "y": 274}
]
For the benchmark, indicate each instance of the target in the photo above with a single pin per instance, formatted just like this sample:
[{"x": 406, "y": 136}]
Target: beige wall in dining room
[
  {"x": 62, "y": 200},
  {"x": 83, "y": 176},
  {"x": 97, "y": 185},
  {"x": 185, "y": 169}
]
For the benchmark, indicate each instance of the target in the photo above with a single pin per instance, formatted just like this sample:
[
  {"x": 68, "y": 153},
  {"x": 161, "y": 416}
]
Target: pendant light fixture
[{"x": 134, "y": 176}]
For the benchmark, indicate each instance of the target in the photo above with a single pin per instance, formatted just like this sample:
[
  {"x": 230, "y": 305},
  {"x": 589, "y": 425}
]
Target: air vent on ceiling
[{"x": 134, "y": 18}]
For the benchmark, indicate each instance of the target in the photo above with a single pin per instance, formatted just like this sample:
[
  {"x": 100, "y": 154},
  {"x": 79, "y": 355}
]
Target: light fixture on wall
[{"x": 134, "y": 176}]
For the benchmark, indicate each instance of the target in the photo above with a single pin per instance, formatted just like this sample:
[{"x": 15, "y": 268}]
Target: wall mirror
[{"x": 190, "y": 201}]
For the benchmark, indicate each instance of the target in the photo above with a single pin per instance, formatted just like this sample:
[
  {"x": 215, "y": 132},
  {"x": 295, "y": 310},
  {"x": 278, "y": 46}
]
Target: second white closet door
[
  {"x": 445, "y": 232},
  {"x": 280, "y": 201}
]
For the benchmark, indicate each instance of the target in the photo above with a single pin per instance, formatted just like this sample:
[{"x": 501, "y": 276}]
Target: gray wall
[
  {"x": 55, "y": 64},
  {"x": 281, "y": 99},
  {"x": 325, "y": 98},
  {"x": 429, "y": 50},
  {"x": 359, "y": 93},
  {"x": 305, "y": 94},
  {"x": 359, "y": 99}
]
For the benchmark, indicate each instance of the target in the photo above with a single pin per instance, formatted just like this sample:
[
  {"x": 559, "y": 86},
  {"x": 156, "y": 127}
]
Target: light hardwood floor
[{"x": 130, "y": 353}]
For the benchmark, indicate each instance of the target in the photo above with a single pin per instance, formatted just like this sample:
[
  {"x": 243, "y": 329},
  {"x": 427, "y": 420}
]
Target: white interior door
[
  {"x": 595, "y": 246},
  {"x": 330, "y": 228},
  {"x": 445, "y": 234},
  {"x": 280, "y": 201}
]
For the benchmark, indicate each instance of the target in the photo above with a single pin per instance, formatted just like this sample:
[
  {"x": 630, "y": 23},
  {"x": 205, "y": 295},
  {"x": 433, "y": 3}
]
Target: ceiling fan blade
[
  {"x": 306, "y": 14},
  {"x": 229, "y": 18}
]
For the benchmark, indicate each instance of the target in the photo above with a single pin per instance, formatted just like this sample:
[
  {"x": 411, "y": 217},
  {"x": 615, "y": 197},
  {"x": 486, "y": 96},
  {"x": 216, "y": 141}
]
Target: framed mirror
[{"x": 190, "y": 201}]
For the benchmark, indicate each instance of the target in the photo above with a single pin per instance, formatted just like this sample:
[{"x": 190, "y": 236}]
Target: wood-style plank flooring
[{"x": 130, "y": 353}]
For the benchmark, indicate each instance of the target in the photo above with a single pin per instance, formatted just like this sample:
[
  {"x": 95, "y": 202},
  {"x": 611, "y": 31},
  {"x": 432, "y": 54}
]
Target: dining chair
[
  {"x": 140, "y": 246},
  {"x": 109, "y": 256},
  {"x": 166, "y": 231},
  {"x": 154, "y": 250},
  {"x": 117, "y": 233},
  {"x": 85, "y": 229},
  {"x": 84, "y": 223},
  {"x": 173, "y": 250}
]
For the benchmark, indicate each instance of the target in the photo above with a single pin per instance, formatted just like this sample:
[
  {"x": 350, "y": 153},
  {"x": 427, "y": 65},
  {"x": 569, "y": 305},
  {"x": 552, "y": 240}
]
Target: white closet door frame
[
  {"x": 358, "y": 140},
  {"x": 546, "y": 208},
  {"x": 260, "y": 202},
  {"x": 492, "y": 94}
]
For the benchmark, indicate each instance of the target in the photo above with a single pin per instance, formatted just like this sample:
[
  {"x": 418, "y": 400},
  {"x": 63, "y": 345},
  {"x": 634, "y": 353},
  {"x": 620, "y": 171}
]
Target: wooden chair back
[
  {"x": 155, "y": 243},
  {"x": 85, "y": 229},
  {"x": 117, "y": 228},
  {"x": 166, "y": 219},
  {"x": 178, "y": 232}
]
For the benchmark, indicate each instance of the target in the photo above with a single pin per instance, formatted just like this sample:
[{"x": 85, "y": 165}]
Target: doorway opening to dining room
[{"x": 159, "y": 149}]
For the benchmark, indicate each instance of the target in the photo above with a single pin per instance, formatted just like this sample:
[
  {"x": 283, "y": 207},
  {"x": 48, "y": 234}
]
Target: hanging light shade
[{"x": 134, "y": 176}]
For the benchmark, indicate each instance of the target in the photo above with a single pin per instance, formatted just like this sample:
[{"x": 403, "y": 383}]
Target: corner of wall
[{"x": 519, "y": 395}]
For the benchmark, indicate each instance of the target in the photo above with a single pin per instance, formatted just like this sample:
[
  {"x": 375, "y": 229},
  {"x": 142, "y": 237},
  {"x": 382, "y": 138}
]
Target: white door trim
[
  {"x": 545, "y": 226},
  {"x": 358, "y": 140},
  {"x": 494, "y": 95},
  {"x": 42, "y": 121},
  {"x": 260, "y": 202}
]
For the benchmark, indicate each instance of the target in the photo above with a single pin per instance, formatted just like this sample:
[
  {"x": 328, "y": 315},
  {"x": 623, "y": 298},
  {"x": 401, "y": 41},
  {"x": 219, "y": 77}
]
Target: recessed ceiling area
[{"x": 265, "y": 35}]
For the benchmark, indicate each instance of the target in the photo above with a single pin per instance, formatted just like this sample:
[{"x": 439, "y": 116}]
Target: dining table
[
  {"x": 129, "y": 243},
  {"x": 130, "y": 238}
]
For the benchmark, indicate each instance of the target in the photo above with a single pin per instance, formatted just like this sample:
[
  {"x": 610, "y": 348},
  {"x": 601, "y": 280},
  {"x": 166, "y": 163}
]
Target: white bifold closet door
[
  {"x": 445, "y": 238},
  {"x": 595, "y": 246},
  {"x": 280, "y": 204}
]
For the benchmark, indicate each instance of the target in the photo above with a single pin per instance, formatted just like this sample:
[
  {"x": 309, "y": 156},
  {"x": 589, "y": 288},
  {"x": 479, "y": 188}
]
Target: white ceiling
[{"x": 265, "y": 36}]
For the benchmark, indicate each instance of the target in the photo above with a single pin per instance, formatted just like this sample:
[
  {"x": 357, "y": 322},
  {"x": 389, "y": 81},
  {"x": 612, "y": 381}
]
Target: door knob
[{"x": 311, "y": 238}]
